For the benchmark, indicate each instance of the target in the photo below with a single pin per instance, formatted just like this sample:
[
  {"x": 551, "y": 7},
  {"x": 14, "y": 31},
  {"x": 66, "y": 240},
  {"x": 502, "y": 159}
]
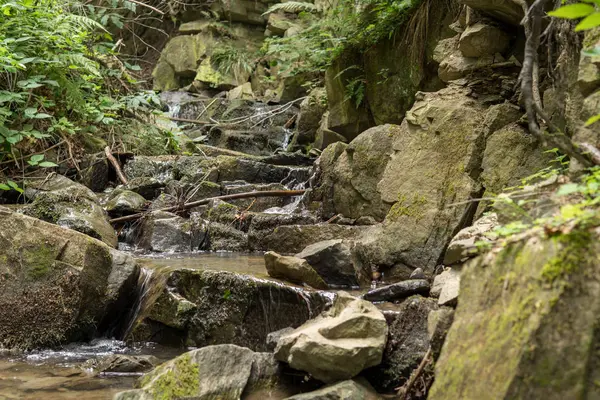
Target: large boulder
[
  {"x": 311, "y": 111},
  {"x": 434, "y": 164},
  {"x": 61, "y": 201},
  {"x": 332, "y": 259},
  {"x": 339, "y": 343},
  {"x": 356, "y": 173},
  {"x": 213, "y": 372},
  {"x": 465, "y": 244},
  {"x": 483, "y": 39},
  {"x": 534, "y": 304},
  {"x": 407, "y": 343},
  {"x": 292, "y": 269},
  {"x": 125, "y": 202},
  {"x": 202, "y": 307},
  {"x": 57, "y": 284}
]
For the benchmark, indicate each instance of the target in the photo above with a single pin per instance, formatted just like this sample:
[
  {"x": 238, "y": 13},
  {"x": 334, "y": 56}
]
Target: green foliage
[
  {"x": 230, "y": 60},
  {"x": 589, "y": 13},
  {"x": 59, "y": 74},
  {"x": 292, "y": 7},
  {"x": 350, "y": 25}
]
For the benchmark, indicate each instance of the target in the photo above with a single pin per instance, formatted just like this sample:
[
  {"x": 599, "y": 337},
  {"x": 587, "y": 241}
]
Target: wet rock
[
  {"x": 398, "y": 290},
  {"x": 463, "y": 245},
  {"x": 294, "y": 238},
  {"x": 258, "y": 204},
  {"x": 311, "y": 112},
  {"x": 120, "y": 363},
  {"x": 149, "y": 188},
  {"x": 483, "y": 39},
  {"x": 332, "y": 260},
  {"x": 54, "y": 283},
  {"x": 438, "y": 324},
  {"x": 94, "y": 172},
  {"x": 160, "y": 168},
  {"x": 222, "y": 237},
  {"x": 261, "y": 231},
  {"x": 61, "y": 201},
  {"x": 228, "y": 308},
  {"x": 287, "y": 158},
  {"x": 293, "y": 269},
  {"x": 223, "y": 372},
  {"x": 125, "y": 202},
  {"x": 339, "y": 343},
  {"x": 166, "y": 232},
  {"x": 523, "y": 304},
  {"x": 407, "y": 343},
  {"x": 273, "y": 337},
  {"x": 366, "y": 220},
  {"x": 346, "y": 390},
  {"x": 193, "y": 192},
  {"x": 418, "y": 274}
]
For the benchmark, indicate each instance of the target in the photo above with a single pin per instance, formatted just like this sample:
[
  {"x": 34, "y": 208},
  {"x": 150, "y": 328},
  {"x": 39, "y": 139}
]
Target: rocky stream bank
[{"x": 346, "y": 289}]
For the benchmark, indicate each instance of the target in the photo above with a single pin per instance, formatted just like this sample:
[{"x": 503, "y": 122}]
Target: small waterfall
[
  {"x": 286, "y": 138},
  {"x": 151, "y": 283},
  {"x": 297, "y": 179}
]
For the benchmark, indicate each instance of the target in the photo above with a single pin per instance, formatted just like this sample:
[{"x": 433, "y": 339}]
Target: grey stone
[
  {"x": 446, "y": 286},
  {"x": 438, "y": 324},
  {"x": 346, "y": 390},
  {"x": 463, "y": 245},
  {"x": 273, "y": 337},
  {"x": 121, "y": 363},
  {"x": 332, "y": 260},
  {"x": 339, "y": 343},
  {"x": 293, "y": 269},
  {"x": 167, "y": 232},
  {"x": 483, "y": 39},
  {"x": 125, "y": 202},
  {"x": 418, "y": 274}
]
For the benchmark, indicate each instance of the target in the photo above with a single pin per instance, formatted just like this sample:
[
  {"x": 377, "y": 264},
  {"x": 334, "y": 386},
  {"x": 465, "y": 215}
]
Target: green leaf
[
  {"x": 568, "y": 188},
  {"x": 596, "y": 2},
  {"x": 588, "y": 23},
  {"x": 47, "y": 164},
  {"x": 37, "y": 158},
  {"x": 592, "y": 120},
  {"x": 12, "y": 184},
  {"x": 573, "y": 11},
  {"x": 42, "y": 116},
  {"x": 4, "y": 186}
]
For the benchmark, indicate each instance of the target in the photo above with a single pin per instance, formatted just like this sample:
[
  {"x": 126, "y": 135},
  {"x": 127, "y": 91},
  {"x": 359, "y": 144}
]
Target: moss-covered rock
[
  {"x": 61, "y": 201},
  {"x": 221, "y": 372},
  {"x": 54, "y": 284},
  {"x": 125, "y": 202},
  {"x": 222, "y": 307},
  {"x": 532, "y": 303}
]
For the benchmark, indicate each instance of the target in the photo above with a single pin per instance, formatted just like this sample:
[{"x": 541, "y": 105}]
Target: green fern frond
[
  {"x": 292, "y": 7},
  {"x": 80, "y": 61},
  {"x": 83, "y": 22}
]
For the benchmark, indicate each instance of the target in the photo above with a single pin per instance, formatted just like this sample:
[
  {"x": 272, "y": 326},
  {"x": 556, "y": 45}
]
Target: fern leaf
[
  {"x": 83, "y": 22},
  {"x": 292, "y": 7}
]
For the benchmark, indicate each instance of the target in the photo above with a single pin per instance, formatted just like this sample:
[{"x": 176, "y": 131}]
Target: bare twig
[
  {"x": 187, "y": 206},
  {"x": 416, "y": 374},
  {"x": 148, "y": 6},
  {"x": 115, "y": 165}
]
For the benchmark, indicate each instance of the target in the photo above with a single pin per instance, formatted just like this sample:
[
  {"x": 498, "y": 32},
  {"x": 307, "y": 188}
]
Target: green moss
[
  {"x": 39, "y": 261},
  {"x": 180, "y": 381},
  {"x": 414, "y": 208},
  {"x": 574, "y": 248}
]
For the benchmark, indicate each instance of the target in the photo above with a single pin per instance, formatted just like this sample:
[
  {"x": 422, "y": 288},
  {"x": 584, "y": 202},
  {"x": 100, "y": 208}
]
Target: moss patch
[{"x": 180, "y": 381}]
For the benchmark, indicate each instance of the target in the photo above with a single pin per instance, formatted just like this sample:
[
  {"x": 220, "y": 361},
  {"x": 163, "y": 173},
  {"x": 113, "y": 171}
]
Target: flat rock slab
[{"x": 398, "y": 290}]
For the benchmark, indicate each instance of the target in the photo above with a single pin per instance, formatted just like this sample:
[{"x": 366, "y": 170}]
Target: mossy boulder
[
  {"x": 125, "y": 202},
  {"x": 311, "y": 112},
  {"x": 223, "y": 307},
  {"x": 435, "y": 163},
  {"x": 56, "y": 285},
  {"x": 179, "y": 59},
  {"x": 167, "y": 232},
  {"x": 61, "y": 201},
  {"x": 215, "y": 372},
  {"x": 532, "y": 303}
]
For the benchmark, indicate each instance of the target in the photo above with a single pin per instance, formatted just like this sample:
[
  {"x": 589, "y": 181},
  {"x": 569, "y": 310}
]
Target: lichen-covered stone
[
  {"x": 223, "y": 372},
  {"x": 532, "y": 303},
  {"x": 54, "y": 283},
  {"x": 332, "y": 260}
]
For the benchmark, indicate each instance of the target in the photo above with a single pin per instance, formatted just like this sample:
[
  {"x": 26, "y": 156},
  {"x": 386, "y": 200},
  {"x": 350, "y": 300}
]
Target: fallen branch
[
  {"x": 416, "y": 374},
  {"x": 187, "y": 206},
  {"x": 115, "y": 165}
]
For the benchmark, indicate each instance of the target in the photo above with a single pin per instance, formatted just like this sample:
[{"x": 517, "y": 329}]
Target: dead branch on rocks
[
  {"x": 405, "y": 390},
  {"x": 115, "y": 165},
  {"x": 529, "y": 88},
  {"x": 187, "y": 206}
]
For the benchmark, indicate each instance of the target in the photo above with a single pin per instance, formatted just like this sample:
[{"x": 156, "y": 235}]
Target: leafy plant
[
  {"x": 588, "y": 10},
  {"x": 37, "y": 160},
  {"x": 292, "y": 7},
  {"x": 230, "y": 60}
]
